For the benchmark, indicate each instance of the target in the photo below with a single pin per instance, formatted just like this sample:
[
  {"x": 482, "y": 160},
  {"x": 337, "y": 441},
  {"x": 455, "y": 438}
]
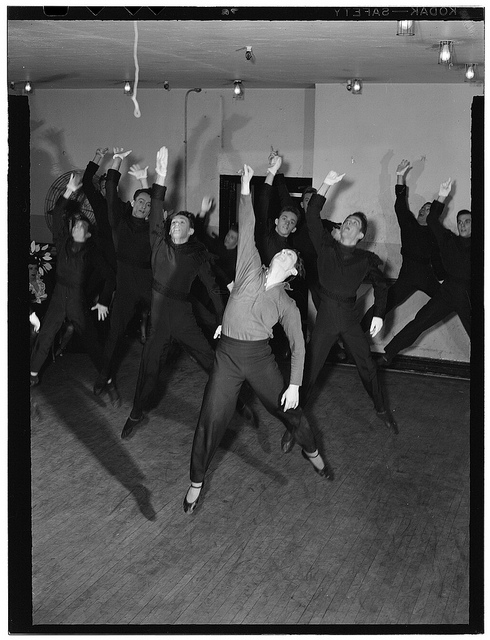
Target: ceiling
[{"x": 99, "y": 54}]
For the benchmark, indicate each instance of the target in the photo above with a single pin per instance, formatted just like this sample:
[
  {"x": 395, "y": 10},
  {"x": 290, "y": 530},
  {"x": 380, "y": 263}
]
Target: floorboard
[{"x": 386, "y": 542}]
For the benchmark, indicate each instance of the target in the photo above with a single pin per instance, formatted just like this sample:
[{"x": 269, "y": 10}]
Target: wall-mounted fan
[{"x": 56, "y": 190}]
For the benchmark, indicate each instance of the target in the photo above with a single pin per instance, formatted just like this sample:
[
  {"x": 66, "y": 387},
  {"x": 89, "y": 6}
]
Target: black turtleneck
[
  {"x": 455, "y": 250},
  {"x": 342, "y": 269},
  {"x": 131, "y": 234}
]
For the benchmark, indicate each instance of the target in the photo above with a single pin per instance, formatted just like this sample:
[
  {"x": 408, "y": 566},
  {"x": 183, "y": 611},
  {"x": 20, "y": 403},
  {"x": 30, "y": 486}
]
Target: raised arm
[
  {"x": 275, "y": 162},
  {"x": 140, "y": 174},
  {"x": 436, "y": 209},
  {"x": 94, "y": 196},
  {"x": 401, "y": 171},
  {"x": 202, "y": 219},
  {"x": 315, "y": 205},
  {"x": 158, "y": 194},
  {"x": 403, "y": 213},
  {"x": 247, "y": 255},
  {"x": 245, "y": 210},
  {"x": 115, "y": 205},
  {"x": 87, "y": 181},
  {"x": 276, "y": 178},
  {"x": 263, "y": 198},
  {"x": 74, "y": 183},
  {"x": 118, "y": 156}
]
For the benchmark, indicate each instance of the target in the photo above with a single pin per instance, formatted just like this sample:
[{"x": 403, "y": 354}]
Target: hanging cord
[{"x": 137, "y": 112}]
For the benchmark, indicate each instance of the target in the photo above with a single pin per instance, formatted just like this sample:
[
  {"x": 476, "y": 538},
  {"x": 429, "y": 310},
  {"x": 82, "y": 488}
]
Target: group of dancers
[{"x": 253, "y": 288}]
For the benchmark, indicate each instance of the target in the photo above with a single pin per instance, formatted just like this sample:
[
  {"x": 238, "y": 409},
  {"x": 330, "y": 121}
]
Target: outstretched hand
[
  {"x": 102, "y": 311},
  {"x": 206, "y": 205},
  {"x": 445, "y": 188},
  {"x": 402, "y": 167},
  {"x": 74, "y": 183},
  {"x": 101, "y": 151},
  {"x": 275, "y": 162},
  {"x": 376, "y": 326},
  {"x": 272, "y": 155},
  {"x": 247, "y": 174},
  {"x": 136, "y": 171},
  {"x": 333, "y": 177},
  {"x": 162, "y": 161},
  {"x": 120, "y": 153}
]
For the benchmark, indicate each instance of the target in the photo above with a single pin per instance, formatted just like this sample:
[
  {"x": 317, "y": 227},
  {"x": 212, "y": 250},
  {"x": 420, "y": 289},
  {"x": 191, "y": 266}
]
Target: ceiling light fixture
[
  {"x": 238, "y": 90},
  {"x": 354, "y": 86},
  {"x": 446, "y": 52},
  {"x": 128, "y": 90},
  {"x": 470, "y": 72},
  {"x": 28, "y": 87},
  {"x": 405, "y": 28}
]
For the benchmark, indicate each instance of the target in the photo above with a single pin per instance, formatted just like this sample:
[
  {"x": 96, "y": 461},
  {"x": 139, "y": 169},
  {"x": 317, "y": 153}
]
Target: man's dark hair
[
  {"x": 291, "y": 209},
  {"x": 462, "y": 213},
  {"x": 308, "y": 190},
  {"x": 299, "y": 266},
  {"x": 362, "y": 218},
  {"x": 187, "y": 214},
  {"x": 138, "y": 191},
  {"x": 81, "y": 216},
  {"x": 233, "y": 227}
]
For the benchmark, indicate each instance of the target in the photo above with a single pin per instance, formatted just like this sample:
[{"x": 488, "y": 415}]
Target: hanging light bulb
[
  {"x": 238, "y": 90},
  {"x": 470, "y": 72},
  {"x": 405, "y": 28},
  {"x": 357, "y": 86},
  {"x": 127, "y": 88},
  {"x": 28, "y": 87},
  {"x": 446, "y": 52}
]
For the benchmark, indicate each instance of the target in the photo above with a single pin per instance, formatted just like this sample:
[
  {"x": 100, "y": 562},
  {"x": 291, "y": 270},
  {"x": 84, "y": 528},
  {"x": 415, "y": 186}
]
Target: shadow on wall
[
  {"x": 193, "y": 143},
  {"x": 48, "y": 152},
  {"x": 230, "y": 126},
  {"x": 386, "y": 198},
  {"x": 49, "y": 157}
]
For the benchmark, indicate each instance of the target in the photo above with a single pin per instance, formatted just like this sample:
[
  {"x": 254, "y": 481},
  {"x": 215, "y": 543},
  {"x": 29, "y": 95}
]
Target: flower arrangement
[{"x": 41, "y": 256}]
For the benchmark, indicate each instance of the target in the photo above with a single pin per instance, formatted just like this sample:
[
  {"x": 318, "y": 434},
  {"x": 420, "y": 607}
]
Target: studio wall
[
  {"x": 314, "y": 129},
  {"x": 366, "y": 136},
  {"x": 222, "y": 134}
]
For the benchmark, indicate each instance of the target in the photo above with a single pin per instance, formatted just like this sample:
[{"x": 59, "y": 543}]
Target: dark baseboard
[
  {"x": 448, "y": 368},
  {"x": 428, "y": 366}
]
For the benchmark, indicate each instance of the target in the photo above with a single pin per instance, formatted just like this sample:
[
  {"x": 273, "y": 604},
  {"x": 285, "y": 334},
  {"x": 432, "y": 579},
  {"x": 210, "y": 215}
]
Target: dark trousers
[
  {"x": 451, "y": 297},
  {"x": 413, "y": 277},
  {"x": 338, "y": 319},
  {"x": 235, "y": 362},
  {"x": 169, "y": 319},
  {"x": 68, "y": 303},
  {"x": 129, "y": 294}
]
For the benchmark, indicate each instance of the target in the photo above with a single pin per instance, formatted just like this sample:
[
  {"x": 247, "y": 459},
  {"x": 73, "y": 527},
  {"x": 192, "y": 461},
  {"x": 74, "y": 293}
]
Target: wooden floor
[{"x": 271, "y": 543}]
